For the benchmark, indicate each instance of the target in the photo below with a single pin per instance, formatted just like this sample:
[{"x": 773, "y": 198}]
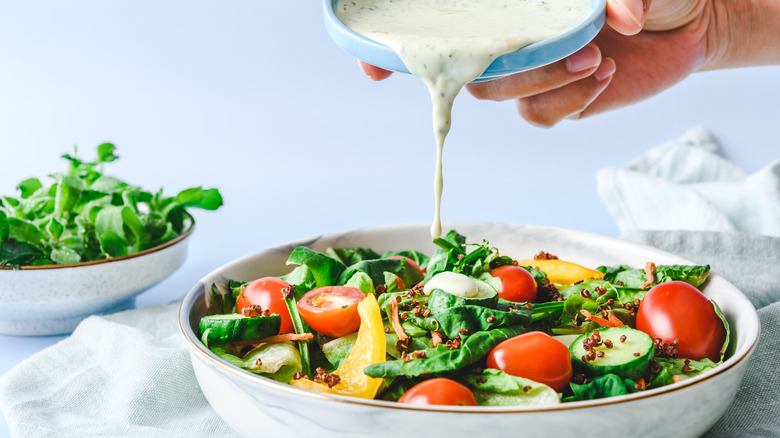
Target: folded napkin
[
  {"x": 129, "y": 374},
  {"x": 685, "y": 185},
  {"x": 122, "y": 375}
]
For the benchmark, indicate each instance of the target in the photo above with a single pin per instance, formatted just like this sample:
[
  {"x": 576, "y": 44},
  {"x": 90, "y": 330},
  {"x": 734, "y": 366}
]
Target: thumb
[
  {"x": 671, "y": 14},
  {"x": 627, "y": 16}
]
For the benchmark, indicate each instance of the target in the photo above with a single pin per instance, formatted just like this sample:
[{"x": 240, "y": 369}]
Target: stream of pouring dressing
[{"x": 448, "y": 43}]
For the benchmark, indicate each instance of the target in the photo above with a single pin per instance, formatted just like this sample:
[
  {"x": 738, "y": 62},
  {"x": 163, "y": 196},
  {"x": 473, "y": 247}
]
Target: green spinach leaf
[
  {"x": 350, "y": 256},
  {"x": 442, "y": 359},
  {"x": 625, "y": 276},
  {"x": 608, "y": 385},
  {"x": 377, "y": 268},
  {"x": 324, "y": 268}
]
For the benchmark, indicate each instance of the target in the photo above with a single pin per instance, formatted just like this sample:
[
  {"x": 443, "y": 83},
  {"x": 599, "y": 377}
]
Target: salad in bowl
[{"x": 465, "y": 327}]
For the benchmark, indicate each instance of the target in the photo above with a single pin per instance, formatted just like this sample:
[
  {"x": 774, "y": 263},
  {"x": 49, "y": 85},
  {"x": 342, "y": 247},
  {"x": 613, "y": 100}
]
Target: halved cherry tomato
[
  {"x": 332, "y": 310},
  {"x": 439, "y": 391},
  {"x": 517, "y": 284},
  {"x": 411, "y": 262},
  {"x": 535, "y": 356},
  {"x": 677, "y": 310},
  {"x": 370, "y": 347},
  {"x": 267, "y": 293}
]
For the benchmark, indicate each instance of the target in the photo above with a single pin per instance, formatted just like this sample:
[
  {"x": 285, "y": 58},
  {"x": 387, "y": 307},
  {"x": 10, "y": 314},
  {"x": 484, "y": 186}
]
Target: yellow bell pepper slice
[
  {"x": 562, "y": 272},
  {"x": 369, "y": 348}
]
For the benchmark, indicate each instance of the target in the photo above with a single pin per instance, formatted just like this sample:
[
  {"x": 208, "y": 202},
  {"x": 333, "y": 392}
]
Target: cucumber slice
[
  {"x": 237, "y": 327},
  {"x": 566, "y": 340},
  {"x": 628, "y": 358}
]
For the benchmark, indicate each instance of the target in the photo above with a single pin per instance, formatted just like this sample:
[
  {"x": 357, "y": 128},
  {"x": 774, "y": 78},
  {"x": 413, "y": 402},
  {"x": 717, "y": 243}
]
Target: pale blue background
[{"x": 253, "y": 98}]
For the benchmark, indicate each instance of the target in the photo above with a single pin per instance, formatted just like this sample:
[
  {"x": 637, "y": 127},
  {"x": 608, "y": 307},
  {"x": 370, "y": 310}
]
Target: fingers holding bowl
[
  {"x": 577, "y": 66},
  {"x": 554, "y": 92},
  {"x": 569, "y": 101}
]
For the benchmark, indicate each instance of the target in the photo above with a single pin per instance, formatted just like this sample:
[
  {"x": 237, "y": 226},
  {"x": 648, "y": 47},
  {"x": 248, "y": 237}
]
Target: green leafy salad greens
[
  {"x": 87, "y": 215},
  {"x": 449, "y": 335}
]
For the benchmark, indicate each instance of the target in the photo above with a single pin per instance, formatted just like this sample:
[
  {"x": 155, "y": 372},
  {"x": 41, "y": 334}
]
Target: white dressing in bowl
[{"x": 452, "y": 283}]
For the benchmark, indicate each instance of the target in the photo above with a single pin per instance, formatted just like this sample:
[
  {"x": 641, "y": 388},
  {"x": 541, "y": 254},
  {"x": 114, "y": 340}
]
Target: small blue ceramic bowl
[{"x": 529, "y": 57}]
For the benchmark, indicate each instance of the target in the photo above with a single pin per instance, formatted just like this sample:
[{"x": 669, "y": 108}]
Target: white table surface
[{"x": 253, "y": 98}]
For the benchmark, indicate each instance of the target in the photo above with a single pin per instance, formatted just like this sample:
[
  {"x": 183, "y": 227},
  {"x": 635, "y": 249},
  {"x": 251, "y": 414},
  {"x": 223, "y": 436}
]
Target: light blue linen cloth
[
  {"x": 686, "y": 185},
  {"x": 686, "y": 199},
  {"x": 121, "y": 375},
  {"x": 129, "y": 375}
]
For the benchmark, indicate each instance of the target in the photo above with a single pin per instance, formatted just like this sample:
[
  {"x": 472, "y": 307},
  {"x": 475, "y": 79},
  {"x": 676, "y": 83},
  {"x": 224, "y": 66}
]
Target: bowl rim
[
  {"x": 554, "y": 48},
  {"x": 195, "y": 293},
  {"x": 172, "y": 242}
]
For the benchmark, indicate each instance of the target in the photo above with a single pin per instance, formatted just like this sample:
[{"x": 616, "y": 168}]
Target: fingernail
[
  {"x": 635, "y": 10},
  {"x": 605, "y": 70},
  {"x": 583, "y": 59},
  {"x": 362, "y": 66}
]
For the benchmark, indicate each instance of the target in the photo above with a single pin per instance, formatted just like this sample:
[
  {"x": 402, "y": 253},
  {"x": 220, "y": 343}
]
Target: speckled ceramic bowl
[
  {"x": 250, "y": 403},
  {"x": 53, "y": 299}
]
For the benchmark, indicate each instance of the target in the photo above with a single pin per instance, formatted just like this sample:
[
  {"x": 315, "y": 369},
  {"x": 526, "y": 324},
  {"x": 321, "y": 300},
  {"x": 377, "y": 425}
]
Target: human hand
[{"x": 644, "y": 49}]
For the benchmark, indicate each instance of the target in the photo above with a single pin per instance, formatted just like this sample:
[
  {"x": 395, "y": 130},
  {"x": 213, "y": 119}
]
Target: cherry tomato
[
  {"x": 439, "y": 391},
  {"x": 677, "y": 310},
  {"x": 267, "y": 293},
  {"x": 535, "y": 356},
  {"x": 517, "y": 284},
  {"x": 411, "y": 262},
  {"x": 332, "y": 310}
]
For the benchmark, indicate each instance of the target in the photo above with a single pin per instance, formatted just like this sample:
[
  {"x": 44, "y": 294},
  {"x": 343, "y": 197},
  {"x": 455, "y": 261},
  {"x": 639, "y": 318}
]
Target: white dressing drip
[{"x": 448, "y": 43}]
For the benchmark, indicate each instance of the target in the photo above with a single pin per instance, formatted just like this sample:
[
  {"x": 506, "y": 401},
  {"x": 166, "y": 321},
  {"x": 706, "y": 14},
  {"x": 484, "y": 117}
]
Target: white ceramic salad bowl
[
  {"x": 251, "y": 404},
  {"x": 53, "y": 299}
]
